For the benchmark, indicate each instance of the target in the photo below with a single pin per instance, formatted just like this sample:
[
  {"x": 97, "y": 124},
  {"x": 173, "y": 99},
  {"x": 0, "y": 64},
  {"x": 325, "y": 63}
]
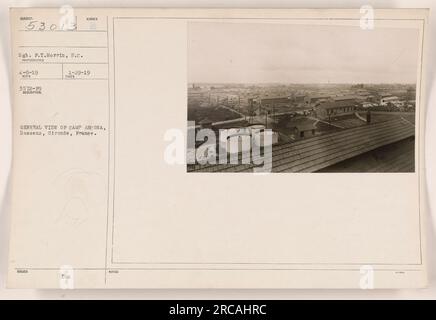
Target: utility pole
[{"x": 266, "y": 119}]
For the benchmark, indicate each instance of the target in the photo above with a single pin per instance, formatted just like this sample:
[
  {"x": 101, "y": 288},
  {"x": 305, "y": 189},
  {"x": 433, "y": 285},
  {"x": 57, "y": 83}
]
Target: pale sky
[{"x": 283, "y": 53}]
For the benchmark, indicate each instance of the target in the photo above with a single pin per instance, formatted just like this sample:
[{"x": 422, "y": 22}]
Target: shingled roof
[{"x": 313, "y": 154}]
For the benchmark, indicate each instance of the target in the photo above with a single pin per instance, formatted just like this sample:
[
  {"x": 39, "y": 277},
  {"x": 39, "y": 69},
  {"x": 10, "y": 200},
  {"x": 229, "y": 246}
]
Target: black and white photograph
[
  {"x": 118, "y": 116},
  {"x": 327, "y": 98}
]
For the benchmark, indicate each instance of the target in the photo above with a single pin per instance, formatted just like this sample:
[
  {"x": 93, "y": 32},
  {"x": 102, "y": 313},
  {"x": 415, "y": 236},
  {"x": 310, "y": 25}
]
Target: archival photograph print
[{"x": 301, "y": 98}]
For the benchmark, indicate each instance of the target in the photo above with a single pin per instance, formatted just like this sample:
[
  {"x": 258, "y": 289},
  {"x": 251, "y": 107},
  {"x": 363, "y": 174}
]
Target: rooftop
[
  {"x": 344, "y": 98},
  {"x": 314, "y": 154},
  {"x": 336, "y": 104}
]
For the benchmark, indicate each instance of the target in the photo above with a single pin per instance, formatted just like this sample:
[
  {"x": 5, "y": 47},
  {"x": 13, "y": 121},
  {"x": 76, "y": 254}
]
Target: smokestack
[{"x": 368, "y": 117}]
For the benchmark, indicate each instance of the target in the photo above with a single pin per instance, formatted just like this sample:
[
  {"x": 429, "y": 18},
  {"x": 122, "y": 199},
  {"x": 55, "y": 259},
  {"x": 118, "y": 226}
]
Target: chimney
[{"x": 368, "y": 117}]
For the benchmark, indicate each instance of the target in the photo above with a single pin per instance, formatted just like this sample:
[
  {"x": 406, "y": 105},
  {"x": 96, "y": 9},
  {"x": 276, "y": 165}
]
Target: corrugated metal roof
[
  {"x": 404, "y": 162},
  {"x": 313, "y": 154}
]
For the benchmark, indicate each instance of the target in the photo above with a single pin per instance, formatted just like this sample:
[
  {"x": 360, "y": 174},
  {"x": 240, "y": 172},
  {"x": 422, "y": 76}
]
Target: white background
[{"x": 5, "y": 159}]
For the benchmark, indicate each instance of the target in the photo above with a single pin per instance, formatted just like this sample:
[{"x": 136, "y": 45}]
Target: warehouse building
[
  {"x": 275, "y": 102},
  {"x": 332, "y": 109},
  {"x": 316, "y": 99},
  {"x": 384, "y": 101}
]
